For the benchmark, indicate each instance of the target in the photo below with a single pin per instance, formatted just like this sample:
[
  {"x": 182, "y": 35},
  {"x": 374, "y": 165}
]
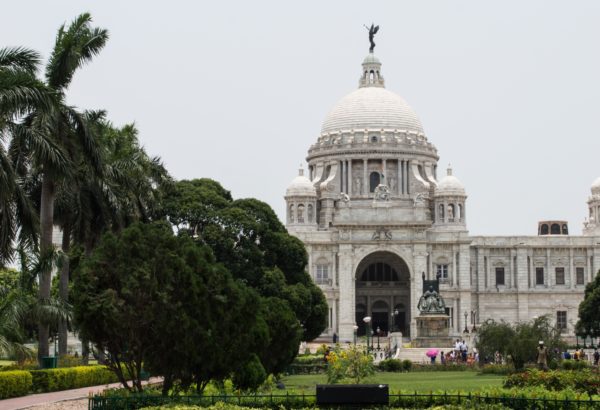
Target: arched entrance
[{"x": 383, "y": 282}]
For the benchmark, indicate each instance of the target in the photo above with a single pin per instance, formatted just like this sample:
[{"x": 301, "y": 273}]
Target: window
[
  {"x": 565, "y": 229},
  {"x": 560, "y": 276},
  {"x": 451, "y": 213},
  {"x": 310, "y": 213},
  {"x": 322, "y": 274},
  {"x": 442, "y": 271},
  {"x": 561, "y": 320},
  {"x": 555, "y": 229},
  {"x": 291, "y": 213},
  {"x": 300, "y": 214},
  {"x": 499, "y": 276},
  {"x": 544, "y": 230},
  {"x": 379, "y": 272},
  {"x": 373, "y": 138},
  {"x": 579, "y": 272},
  {"x": 374, "y": 180},
  {"x": 450, "y": 312},
  {"x": 539, "y": 276},
  {"x": 441, "y": 213}
]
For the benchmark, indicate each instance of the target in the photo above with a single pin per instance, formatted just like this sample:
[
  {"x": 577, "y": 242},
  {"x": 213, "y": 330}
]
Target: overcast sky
[{"x": 508, "y": 91}]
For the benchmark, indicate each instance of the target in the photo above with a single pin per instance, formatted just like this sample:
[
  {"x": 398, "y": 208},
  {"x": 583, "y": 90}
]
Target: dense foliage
[
  {"x": 519, "y": 341},
  {"x": 589, "y": 313},
  {"x": 583, "y": 381},
  {"x": 351, "y": 365},
  {"x": 15, "y": 383}
]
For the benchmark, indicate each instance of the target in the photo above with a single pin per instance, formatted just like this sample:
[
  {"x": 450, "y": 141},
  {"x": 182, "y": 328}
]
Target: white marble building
[{"x": 369, "y": 246}]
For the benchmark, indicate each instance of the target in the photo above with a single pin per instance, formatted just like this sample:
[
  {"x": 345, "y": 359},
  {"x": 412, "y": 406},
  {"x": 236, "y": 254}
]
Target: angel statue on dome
[{"x": 372, "y": 31}]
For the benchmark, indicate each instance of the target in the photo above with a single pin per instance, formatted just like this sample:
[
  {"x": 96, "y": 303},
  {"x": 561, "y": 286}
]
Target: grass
[{"x": 413, "y": 381}]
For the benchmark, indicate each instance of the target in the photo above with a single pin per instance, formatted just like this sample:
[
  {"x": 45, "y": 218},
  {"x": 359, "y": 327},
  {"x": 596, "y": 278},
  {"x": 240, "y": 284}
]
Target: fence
[{"x": 295, "y": 401}]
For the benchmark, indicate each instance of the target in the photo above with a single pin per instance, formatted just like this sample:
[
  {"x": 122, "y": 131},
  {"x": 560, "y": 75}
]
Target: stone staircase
[{"x": 417, "y": 354}]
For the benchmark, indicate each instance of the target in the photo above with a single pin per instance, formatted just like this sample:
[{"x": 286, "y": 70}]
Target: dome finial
[
  {"x": 449, "y": 169},
  {"x": 372, "y": 31}
]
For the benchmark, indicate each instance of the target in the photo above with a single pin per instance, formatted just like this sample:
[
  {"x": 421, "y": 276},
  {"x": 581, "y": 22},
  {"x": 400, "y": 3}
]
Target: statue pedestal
[{"x": 433, "y": 331}]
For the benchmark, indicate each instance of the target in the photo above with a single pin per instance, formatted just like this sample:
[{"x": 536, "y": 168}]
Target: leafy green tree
[
  {"x": 248, "y": 238},
  {"x": 589, "y": 310},
  {"x": 352, "y": 364},
  {"x": 49, "y": 133},
  {"x": 20, "y": 93},
  {"x": 148, "y": 296},
  {"x": 519, "y": 341}
]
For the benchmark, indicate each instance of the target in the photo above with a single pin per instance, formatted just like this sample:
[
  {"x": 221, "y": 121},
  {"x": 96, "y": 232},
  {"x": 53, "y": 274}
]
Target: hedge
[
  {"x": 582, "y": 381},
  {"x": 48, "y": 380},
  {"x": 15, "y": 383}
]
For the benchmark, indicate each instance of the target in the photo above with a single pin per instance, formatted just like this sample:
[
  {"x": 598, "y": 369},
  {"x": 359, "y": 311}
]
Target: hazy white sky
[{"x": 508, "y": 91}]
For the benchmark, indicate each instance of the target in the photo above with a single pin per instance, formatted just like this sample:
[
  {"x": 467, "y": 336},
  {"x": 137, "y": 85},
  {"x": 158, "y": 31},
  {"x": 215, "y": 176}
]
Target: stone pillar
[
  {"x": 365, "y": 177},
  {"x": 571, "y": 270},
  {"x": 550, "y": 281},
  {"x": 416, "y": 288},
  {"x": 347, "y": 296},
  {"x": 343, "y": 177},
  {"x": 454, "y": 270},
  {"x": 384, "y": 171},
  {"x": 590, "y": 274},
  {"x": 399, "y": 179},
  {"x": 407, "y": 176},
  {"x": 350, "y": 177}
]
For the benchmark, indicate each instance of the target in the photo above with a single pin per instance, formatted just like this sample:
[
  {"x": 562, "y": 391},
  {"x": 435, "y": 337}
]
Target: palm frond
[{"x": 19, "y": 58}]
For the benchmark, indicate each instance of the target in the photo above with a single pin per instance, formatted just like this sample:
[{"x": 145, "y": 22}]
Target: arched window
[
  {"x": 374, "y": 138},
  {"x": 374, "y": 180},
  {"x": 310, "y": 213},
  {"x": 565, "y": 229},
  {"x": 555, "y": 229},
  {"x": 451, "y": 213},
  {"x": 441, "y": 213},
  {"x": 379, "y": 272},
  {"x": 544, "y": 229},
  {"x": 292, "y": 214},
  {"x": 300, "y": 214},
  {"x": 371, "y": 76}
]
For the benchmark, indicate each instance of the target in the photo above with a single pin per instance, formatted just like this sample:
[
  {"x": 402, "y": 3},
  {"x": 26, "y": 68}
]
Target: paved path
[{"x": 46, "y": 398}]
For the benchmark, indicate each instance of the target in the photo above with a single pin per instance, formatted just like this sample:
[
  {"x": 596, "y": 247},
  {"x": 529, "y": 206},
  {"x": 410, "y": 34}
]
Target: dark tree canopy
[
  {"x": 589, "y": 310},
  {"x": 148, "y": 296}
]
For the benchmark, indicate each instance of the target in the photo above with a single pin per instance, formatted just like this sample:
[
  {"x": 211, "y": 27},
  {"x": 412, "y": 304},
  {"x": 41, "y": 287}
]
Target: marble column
[
  {"x": 399, "y": 180},
  {"x": 347, "y": 293},
  {"x": 343, "y": 177},
  {"x": 350, "y": 177},
  {"x": 571, "y": 270},
  {"x": 384, "y": 172},
  {"x": 365, "y": 178}
]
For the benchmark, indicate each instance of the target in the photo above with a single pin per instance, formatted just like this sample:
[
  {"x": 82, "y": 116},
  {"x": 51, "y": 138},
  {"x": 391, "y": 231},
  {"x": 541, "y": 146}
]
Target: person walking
[
  {"x": 542, "y": 356},
  {"x": 596, "y": 357}
]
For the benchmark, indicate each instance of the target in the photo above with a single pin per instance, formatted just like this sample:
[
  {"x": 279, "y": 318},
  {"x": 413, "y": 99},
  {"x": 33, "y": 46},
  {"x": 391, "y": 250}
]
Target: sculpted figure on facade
[
  {"x": 450, "y": 212},
  {"x": 431, "y": 302},
  {"x": 344, "y": 197},
  {"x": 382, "y": 193},
  {"x": 358, "y": 186},
  {"x": 392, "y": 184}
]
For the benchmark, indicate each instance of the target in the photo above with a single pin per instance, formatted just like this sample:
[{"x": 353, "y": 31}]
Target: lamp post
[
  {"x": 466, "y": 328},
  {"x": 355, "y": 331},
  {"x": 378, "y": 331},
  {"x": 367, "y": 320}
]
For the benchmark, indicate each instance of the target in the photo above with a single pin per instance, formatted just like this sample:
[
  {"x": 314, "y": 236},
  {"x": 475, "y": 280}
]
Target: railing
[{"x": 293, "y": 401}]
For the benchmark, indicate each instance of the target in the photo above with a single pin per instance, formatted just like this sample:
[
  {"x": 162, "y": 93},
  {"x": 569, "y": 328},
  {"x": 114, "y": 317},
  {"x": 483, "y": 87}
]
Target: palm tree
[
  {"x": 64, "y": 129},
  {"x": 20, "y": 93}
]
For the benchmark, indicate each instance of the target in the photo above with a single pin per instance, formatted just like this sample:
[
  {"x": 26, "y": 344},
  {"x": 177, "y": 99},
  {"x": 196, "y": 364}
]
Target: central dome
[{"x": 372, "y": 108}]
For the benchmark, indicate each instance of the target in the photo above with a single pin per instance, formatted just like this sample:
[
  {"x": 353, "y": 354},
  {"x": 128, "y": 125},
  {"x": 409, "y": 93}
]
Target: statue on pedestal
[{"x": 431, "y": 302}]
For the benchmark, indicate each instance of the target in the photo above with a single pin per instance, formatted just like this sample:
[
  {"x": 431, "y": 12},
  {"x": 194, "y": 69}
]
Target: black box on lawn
[{"x": 347, "y": 394}]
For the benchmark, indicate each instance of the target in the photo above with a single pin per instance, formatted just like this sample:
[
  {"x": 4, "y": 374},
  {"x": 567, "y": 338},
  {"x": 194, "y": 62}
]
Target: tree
[
  {"x": 248, "y": 238},
  {"x": 148, "y": 296},
  {"x": 351, "y": 364},
  {"x": 51, "y": 132},
  {"x": 518, "y": 341},
  {"x": 20, "y": 93},
  {"x": 589, "y": 311}
]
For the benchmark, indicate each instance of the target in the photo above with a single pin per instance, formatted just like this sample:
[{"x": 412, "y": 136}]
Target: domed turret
[
  {"x": 591, "y": 226},
  {"x": 301, "y": 200},
  {"x": 449, "y": 202}
]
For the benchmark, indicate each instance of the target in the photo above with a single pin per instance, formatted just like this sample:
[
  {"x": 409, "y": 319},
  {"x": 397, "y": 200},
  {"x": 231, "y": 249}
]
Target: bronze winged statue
[{"x": 372, "y": 31}]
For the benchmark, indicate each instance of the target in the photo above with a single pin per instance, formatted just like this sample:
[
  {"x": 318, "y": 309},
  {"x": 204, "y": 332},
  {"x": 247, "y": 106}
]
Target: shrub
[
  {"x": 406, "y": 365},
  {"x": 583, "y": 381},
  {"x": 68, "y": 360},
  {"x": 574, "y": 365},
  {"x": 14, "y": 383},
  {"x": 390, "y": 365},
  {"x": 48, "y": 380},
  {"x": 501, "y": 369}
]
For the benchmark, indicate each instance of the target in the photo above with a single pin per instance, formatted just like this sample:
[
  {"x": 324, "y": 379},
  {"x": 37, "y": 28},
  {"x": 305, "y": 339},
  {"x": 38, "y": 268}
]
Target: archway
[{"x": 383, "y": 282}]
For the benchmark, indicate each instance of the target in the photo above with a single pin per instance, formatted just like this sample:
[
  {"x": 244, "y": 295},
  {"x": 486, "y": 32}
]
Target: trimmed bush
[
  {"x": 582, "y": 381},
  {"x": 15, "y": 383},
  {"x": 501, "y": 369},
  {"x": 48, "y": 380},
  {"x": 390, "y": 365}
]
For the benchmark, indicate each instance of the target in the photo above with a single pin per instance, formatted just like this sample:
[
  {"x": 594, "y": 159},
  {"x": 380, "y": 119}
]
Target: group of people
[
  {"x": 579, "y": 354},
  {"x": 460, "y": 354}
]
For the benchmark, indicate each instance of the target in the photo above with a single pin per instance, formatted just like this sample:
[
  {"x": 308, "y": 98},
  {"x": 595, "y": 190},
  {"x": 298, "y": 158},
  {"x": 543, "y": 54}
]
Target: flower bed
[{"x": 582, "y": 381}]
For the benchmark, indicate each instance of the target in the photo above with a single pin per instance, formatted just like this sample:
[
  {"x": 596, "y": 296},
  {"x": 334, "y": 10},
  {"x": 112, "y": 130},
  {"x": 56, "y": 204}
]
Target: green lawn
[{"x": 419, "y": 381}]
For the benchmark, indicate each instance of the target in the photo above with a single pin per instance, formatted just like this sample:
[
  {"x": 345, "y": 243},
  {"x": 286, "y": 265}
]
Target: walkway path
[{"x": 47, "y": 398}]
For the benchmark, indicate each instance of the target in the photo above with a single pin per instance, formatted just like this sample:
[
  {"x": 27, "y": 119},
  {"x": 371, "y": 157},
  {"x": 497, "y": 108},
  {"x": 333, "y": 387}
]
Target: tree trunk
[
  {"x": 85, "y": 351},
  {"x": 46, "y": 225},
  {"x": 63, "y": 289}
]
